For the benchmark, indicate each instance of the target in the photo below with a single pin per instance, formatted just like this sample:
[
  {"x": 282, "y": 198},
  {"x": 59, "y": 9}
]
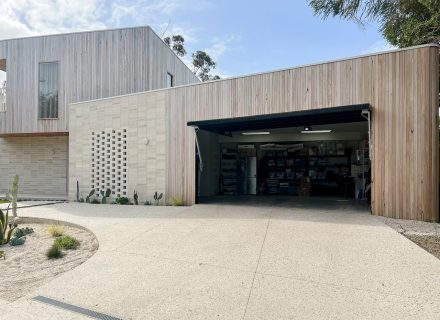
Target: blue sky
[{"x": 242, "y": 36}]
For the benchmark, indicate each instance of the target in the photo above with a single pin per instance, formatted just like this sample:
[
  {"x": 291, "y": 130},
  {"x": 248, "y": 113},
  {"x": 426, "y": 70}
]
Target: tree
[
  {"x": 402, "y": 22},
  {"x": 202, "y": 63},
  {"x": 178, "y": 44}
]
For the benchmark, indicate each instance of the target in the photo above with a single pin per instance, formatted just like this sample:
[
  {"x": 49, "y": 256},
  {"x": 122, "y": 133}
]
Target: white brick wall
[
  {"x": 41, "y": 163},
  {"x": 144, "y": 120}
]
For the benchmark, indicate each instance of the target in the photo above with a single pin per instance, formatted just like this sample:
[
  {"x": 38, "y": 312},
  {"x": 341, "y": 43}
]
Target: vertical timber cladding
[{"x": 401, "y": 86}]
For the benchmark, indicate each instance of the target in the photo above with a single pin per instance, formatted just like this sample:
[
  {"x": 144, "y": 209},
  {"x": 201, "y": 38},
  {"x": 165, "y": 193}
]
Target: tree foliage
[
  {"x": 402, "y": 22},
  {"x": 202, "y": 63},
  {"x": 176, "y": 42}
]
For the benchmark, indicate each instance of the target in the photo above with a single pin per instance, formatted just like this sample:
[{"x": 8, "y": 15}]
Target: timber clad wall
[
  {"x": 92, "y": 65},
  {"x": 401, "y": 86},
  {"x": 41, "y": 162}
]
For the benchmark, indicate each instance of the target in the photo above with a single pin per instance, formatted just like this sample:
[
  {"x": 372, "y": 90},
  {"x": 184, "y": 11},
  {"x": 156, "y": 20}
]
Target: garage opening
[{"x": 314, "y": 153}]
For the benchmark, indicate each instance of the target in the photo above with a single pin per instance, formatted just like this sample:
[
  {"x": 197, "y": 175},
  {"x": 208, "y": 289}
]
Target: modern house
[
  {"x": 46, "y": 73},
  {"x": 135, "y": 118}
]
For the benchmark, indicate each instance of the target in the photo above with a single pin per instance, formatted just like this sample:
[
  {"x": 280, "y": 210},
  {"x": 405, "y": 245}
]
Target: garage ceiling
[{"x": 343, "y": 114}]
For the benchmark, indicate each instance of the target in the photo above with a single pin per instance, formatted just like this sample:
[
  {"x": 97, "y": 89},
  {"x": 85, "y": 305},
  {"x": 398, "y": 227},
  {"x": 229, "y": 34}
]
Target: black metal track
[
  {"x": 73, "y": 308},
  {"x": 333, "y": 115}
]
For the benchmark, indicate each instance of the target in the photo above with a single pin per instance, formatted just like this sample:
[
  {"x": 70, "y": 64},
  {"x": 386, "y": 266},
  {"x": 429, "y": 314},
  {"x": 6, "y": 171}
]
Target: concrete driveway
[{"x": 270, "y": 258}]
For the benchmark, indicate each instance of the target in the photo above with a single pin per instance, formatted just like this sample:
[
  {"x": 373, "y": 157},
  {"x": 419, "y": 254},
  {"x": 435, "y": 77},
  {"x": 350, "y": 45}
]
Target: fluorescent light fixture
[
  {"x": 316, "y": 131},
  {"x": 255, "y": 133}
]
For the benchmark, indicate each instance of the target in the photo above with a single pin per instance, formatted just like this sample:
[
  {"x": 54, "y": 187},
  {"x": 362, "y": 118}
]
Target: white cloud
[
  {"x": 26, "y": 17},
  {"x": 379, "y": 46},
  {"x": 221, "y": 45}
]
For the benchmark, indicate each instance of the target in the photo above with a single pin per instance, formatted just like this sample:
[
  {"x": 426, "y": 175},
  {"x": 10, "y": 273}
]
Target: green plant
[
  {"x": 176, "y": 201},
  {"x": 95, "y": 201},
  {"x": 122, "y": 200},
  {"x": 2, "y": 255},
  {"x": 77, "y": 191},
  {"x": 91, "y": 193},
  {"x": 21, "y": 232},
  {"x": 81, "y": 199},
  {"x": 135, "y": 197},
  {"x": 55, "y": 230},
  {"x": 54, "y": 252},
  {"x": 12, "y": 196},
  {"x": 17, "y": 241},
  {"x": 4, "y": 201},
  {"x": 147, "y": 203},
  {"x": 6, "y": 228},
  {"x": 157, "y": 197},
  {"x": 105, "y": 195},
  {"x": 67, "y": 242}
]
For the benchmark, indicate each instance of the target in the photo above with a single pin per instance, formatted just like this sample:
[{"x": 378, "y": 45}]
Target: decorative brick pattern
[
  {"x": 109, "y": 161},
  {"x": 41, "y": 163}
]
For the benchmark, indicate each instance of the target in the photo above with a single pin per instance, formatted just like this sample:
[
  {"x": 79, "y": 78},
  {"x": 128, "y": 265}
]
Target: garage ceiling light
[
  {"x": 255, "y": 133},
  {"x": 308, "y": 129},
  {"x": 316, "y": 131}
]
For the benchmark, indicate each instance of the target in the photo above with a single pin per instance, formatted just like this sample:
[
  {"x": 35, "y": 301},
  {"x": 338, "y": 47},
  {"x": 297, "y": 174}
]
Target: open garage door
[{"x": 321, "y": 152}]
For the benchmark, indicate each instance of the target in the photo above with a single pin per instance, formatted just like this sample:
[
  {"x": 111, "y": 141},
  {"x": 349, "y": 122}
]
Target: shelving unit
[
  {"x": 229, "y": 178},
  {"x": 283, "y": 171}
]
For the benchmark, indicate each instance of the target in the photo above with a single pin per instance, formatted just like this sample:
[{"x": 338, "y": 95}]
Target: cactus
[
  {"x": 135, "y": 197},
  {"x": 157, "y": 197},
  {"x": 6, "y": 228},
  {"x": 92, "y": 192},
  {"x": 77, "y": 191},
  {"x": 105, "y": 195},
  {"x": 12, "y": 197}
]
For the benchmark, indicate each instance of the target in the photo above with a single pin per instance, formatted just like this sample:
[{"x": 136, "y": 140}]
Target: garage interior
[{"x": 314, "y": 153}]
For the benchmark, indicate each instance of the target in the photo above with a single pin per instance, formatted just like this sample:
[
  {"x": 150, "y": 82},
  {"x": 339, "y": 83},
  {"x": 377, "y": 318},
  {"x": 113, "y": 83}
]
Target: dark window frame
[
  {"x": 54, "y": 116},
  {"x": 171, "y": 77}
]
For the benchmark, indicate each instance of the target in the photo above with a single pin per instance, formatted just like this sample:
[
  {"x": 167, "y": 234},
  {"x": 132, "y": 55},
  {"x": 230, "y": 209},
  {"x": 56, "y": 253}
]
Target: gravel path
[{"x": 424, "y": 234}]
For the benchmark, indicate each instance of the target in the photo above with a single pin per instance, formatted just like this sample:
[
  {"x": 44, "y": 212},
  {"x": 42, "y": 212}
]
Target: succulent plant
[
  {"x": 91, "y": 193},
  {"x": 105, "y": 194},
  {"x": 6, "y": 228},
  {"x": 12, "y": 196},
  {"x": 135, "y": 197},
  {"x": 157, "y": 197},
  {"x": 17, "y": 241}
]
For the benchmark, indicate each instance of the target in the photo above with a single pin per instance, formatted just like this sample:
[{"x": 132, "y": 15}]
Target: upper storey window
[
  {"x": 48, "y": 90},
  {"x": 170, "y": 80}
]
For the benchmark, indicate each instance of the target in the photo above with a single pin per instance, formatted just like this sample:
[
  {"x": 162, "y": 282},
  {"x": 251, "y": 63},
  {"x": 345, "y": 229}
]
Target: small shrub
[
  {"x": 2, "y": 255},
  {"x": 17, "y": 241},
  {"x": 122, "y": 200},
  {"x": 95, "y": 201},
  {"x": 67, "y": 242},
  {"x": 147, "y": 203},
  {"x": 55, "y": 230},
  {"x": 54, "y": 252},
  {"x": 175, "y": 201},
  {"x": 21, "y": 232}
]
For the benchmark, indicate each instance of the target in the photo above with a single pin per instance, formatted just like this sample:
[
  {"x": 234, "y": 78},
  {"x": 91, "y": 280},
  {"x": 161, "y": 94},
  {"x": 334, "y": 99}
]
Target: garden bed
[
  {"x": 424, "y": 234},
  {"x": 27, "y": 267}
]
